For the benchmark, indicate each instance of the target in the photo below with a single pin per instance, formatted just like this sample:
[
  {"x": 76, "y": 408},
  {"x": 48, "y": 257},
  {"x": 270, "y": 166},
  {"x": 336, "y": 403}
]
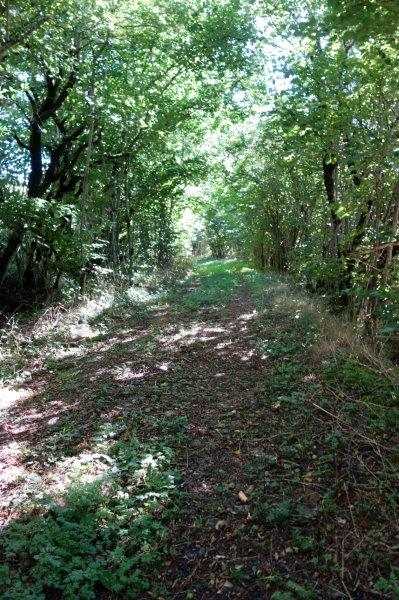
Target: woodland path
[{"x": 283, "y": 485}]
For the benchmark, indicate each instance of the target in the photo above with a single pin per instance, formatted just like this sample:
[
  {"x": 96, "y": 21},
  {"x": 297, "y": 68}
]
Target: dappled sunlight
[
  {"x": 197, "y": 332},
  {"x": 148, "y": 463},
  {"x": 71, "y": 322},
  {"x": 202, "y": 487},
  {"x": 164, "y": 366},
  {"x": 53, "y": 420},
  {"x": 9, "y": 396},
  {"x": 140, "y": 295},
  {"x": 73, "y": 351},
  {"x": 159, "y": 311},
  {"x": 127, "y": 373},
  {"x": 30, "y": 484},
  {"x": 84, "y": 331},
  {"x": 33, "y": 420},
  {"x": 94, "y": 307},
  {"x": 226, "y": 344},
  {"x": 223, "y": 383},
  {"x": 90, "y": 381},
  {"x": 96, "y": 364},
  {"x": 10, "y": 468},
  {"x": 100, "y": 372},
  {"x": 246, "y": 356},
  {"x": 25, "y": 476},
  {"x": 57, "y": 477},
  {"x": 248, "y": 316},
  {"x": 113, "y": 342}
]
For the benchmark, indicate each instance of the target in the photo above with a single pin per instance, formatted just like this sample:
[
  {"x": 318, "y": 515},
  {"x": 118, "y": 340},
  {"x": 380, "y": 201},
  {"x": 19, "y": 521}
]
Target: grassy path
[{"x": 211, "y": 442}]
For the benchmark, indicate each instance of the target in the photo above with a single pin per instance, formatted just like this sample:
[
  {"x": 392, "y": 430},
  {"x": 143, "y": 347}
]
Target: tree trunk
[
  {"x": 36, "y": 164},
  {"x": 14, "y": 241},
  {"x": 394, "y": 230},
  {"x": 28, "y": 278},
  {"x": 330, "y": 170}
]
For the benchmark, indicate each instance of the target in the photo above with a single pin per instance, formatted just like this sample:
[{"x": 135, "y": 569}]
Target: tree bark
[
  {"x": 330, "y": 169},
  {"x": 393, "y": 246},
  {"x": 36, "y": 164}
]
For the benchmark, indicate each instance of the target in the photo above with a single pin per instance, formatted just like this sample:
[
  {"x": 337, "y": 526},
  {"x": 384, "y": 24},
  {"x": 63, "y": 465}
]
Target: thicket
[
  {"x": 283, "y": 114},
  {"x": 103, "y": 108},
  {"x": 314, "y": 180}
]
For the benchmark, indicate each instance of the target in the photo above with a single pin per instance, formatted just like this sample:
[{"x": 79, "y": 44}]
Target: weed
[
  {"x": 328, "y": 504},
  {"x": 303, "y": 543},
  {"x": 278, "y": 348},
  {"x": 304, "y": 593},
  {"x": 107, "y": 535},
  {"x": 285, "y": 377},
  {"x": 278, "y": 514},
  {"x": 298, "y": 465},
  {"x": 335, "y": 440},
  {"x": 291, "y": 400},
  {"x": 389, "y": 585},
  {"x": 259, "y": 464},
  {"x": 238, "y": 575},
  {"x": 361, "y": 380}
]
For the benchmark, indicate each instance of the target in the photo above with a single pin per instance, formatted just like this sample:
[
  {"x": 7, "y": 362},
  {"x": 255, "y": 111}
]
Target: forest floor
[{"x": 222, "y": 438}]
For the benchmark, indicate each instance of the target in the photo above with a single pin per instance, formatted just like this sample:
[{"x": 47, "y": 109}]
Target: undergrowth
[
  {"x": 105, "y": 535},
  {"x": 311, "y": 437}
]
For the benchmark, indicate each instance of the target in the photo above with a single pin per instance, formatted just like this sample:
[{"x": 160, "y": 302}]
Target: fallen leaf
[
  {"x": 228, "y": 585},
  {"x": 242, "y": 497}
]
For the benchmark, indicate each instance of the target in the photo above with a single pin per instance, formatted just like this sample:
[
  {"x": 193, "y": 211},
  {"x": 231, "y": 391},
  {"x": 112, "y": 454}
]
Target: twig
[
  {"x": 370, "y": 441},
  {"x": 342, "y": 395},
  {"x": 343, "y": 570},
  {"x": 351, "y": 511}
]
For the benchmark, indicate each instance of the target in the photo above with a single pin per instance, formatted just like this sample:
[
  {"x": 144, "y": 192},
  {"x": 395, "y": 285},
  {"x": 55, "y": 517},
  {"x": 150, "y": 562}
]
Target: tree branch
[{"x": 20, "y": 143}]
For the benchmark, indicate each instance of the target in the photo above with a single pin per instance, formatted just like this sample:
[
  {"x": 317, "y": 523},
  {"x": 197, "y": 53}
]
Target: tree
[
  {"x": 319, "y": 173},
  {"x": 96, "y": 94}
]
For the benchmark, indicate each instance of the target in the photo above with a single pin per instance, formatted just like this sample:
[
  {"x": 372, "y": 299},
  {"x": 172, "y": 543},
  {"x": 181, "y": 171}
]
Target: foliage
[
  {"x": 391, "y": 584},
  {"x": 104, "y": 110},
  {"x": 275, "y": 124},
  {"x": 110, "y": 114},
  {"x": 103, "y": 535},
  {"x": 287, "y": 452},
  {"x": 311, "y": 179}
]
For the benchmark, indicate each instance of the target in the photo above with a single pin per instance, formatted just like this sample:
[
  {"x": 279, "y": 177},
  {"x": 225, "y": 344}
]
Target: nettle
[{"x": 106, "y": 535}]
